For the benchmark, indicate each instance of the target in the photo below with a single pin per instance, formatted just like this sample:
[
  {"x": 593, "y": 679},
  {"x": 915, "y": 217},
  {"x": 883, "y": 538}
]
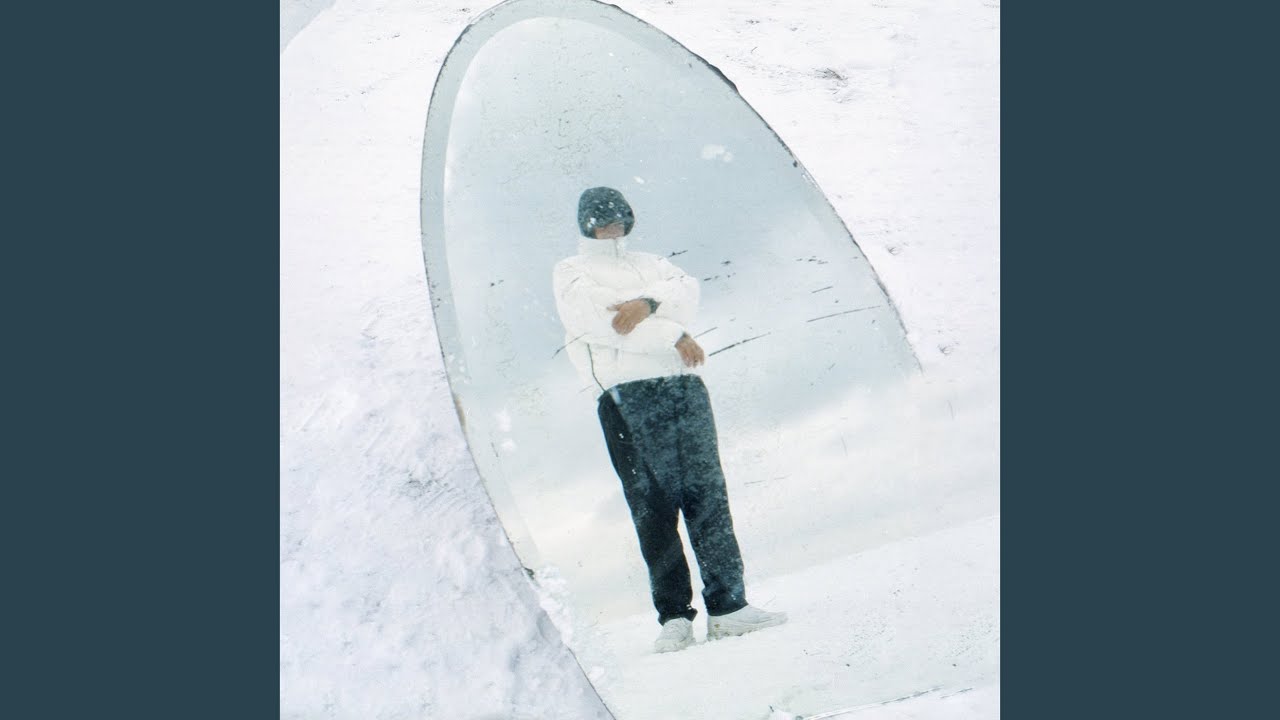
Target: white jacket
[{"x": 602, "y": 274}]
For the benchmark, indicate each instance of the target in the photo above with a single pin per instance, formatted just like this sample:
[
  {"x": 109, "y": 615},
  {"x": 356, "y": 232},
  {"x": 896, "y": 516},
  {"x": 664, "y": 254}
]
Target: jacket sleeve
[
  {"x": 676, "y": 292},
  {"x": 583, "y": 307}
]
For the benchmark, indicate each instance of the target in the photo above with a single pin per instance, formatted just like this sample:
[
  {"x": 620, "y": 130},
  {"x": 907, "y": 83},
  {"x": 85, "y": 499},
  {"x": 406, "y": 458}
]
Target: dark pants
[{"x": 662, "y": 440}]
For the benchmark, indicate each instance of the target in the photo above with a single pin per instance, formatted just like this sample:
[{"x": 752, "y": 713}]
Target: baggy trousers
[{"x": 661, "y": 437}]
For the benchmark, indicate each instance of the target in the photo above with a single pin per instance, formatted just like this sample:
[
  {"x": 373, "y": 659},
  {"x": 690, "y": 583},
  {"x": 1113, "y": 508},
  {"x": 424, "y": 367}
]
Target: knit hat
[{"x": 603, "y": 206}]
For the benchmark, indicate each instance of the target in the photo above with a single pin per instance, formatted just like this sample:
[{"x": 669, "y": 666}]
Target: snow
[
  {"x": 400, "y": 597},
  {"x": 871, "y": 625},
  {"x": 716, "y": 152}
]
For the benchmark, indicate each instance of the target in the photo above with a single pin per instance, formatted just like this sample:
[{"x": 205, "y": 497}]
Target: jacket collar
[{"x": 602, "y": 248}]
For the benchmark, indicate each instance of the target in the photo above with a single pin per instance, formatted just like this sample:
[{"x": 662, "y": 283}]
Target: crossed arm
[
  {"x": 632, "y": 312},
  {"x": 653, "y": 322}
]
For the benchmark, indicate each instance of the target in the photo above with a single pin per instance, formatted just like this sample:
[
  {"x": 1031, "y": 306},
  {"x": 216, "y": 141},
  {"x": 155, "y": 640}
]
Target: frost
[
  {"x": 713, "y": 152},
  {"x": 553, "y": 597}
]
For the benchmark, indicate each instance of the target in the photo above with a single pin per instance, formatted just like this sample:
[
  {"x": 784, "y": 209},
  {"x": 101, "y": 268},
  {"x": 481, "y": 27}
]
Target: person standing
[{"x": 626, "y": 316}]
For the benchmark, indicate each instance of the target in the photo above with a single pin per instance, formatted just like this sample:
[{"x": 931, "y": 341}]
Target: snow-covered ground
[
  {"x": 399, "y": 594},
  {"x": 911, "y": 616}
]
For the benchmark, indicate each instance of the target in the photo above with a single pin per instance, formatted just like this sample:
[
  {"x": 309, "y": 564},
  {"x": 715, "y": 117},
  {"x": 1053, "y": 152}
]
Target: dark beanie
[{"x": 602, "y": 206}]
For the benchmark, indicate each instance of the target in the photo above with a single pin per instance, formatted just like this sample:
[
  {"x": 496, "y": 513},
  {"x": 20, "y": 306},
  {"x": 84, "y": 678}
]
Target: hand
[
  {"x": 690, "y": 351},
  {"x": 630, "y": 313}
]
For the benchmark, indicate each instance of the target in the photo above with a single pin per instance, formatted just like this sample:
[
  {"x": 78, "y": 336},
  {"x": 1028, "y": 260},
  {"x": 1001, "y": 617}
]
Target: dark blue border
[
  {"x": 144, "y": 505},
  {"x": 1135, "y": 432}
]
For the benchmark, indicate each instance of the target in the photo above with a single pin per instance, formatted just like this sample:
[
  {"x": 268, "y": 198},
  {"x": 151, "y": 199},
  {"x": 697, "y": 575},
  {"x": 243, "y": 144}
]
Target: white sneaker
[
  {"x": 741, "y": 622},
  {"x": 676, "y": 635}
]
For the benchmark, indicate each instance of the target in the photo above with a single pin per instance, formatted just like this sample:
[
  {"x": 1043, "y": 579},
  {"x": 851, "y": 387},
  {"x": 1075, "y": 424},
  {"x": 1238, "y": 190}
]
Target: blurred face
[{"x": 610, "y": 232}]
